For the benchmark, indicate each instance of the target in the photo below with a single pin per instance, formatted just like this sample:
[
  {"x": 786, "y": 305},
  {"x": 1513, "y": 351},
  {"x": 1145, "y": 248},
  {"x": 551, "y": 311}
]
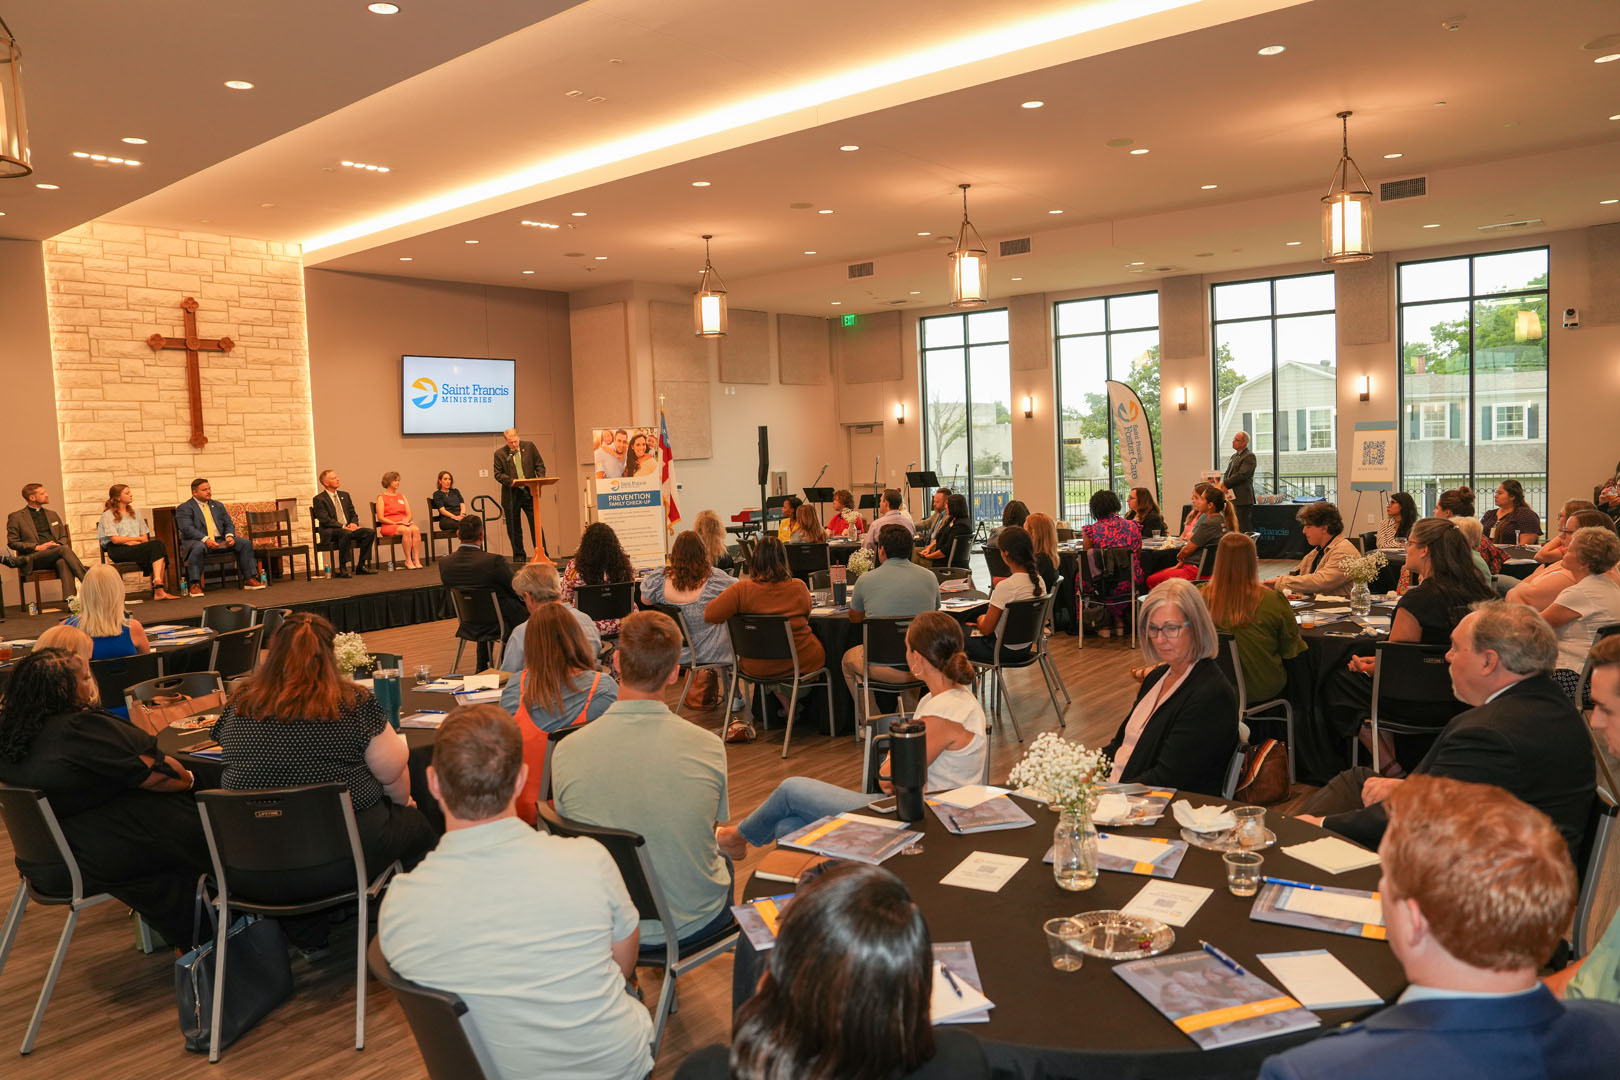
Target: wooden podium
[{"x": 535, "y": 485}]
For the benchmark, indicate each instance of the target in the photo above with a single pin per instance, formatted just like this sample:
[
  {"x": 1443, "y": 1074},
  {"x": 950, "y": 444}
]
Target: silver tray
[
  {"x": 1116, "y": 935},
  {"x": 1222, "y": 841}
]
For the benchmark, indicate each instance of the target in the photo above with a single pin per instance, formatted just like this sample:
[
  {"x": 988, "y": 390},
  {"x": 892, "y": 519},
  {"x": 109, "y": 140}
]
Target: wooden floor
[{"x": 113, "y": 1011}]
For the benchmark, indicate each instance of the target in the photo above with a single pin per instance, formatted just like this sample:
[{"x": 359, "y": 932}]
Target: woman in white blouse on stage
[{"x": 126, "y": 537}]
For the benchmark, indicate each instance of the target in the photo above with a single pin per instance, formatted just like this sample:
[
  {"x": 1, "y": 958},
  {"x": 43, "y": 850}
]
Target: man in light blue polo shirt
[
  {"x": 535, "y": 932},
  {"x": 895, "y": 588}
]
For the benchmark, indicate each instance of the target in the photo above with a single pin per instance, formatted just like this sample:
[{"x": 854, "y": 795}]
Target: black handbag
[{"x": 258, "y": 977}]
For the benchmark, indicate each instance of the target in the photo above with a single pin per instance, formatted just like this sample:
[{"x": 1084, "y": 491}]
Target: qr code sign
[{"x": 1372, "y": 452}]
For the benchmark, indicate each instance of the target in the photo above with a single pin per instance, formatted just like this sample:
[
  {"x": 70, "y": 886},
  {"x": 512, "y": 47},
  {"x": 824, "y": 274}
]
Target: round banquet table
[
  {"x": 1521, "y": 563},
  {"x": 1089, "y": 1023}
]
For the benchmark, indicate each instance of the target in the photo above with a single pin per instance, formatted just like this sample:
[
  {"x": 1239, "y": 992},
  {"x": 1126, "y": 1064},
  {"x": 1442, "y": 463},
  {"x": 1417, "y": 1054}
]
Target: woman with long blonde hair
[
  {"x": 1043, "y": 537},
  {"x": 807, "y": 526},
  {"x": 713, "y": 534},
  {"x": 101, "y": 615},
  {"x": 1260, "y": 619}
]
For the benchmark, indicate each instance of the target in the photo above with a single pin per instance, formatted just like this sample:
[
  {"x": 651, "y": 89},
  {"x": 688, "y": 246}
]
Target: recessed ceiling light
[
  {"x": 238, "y": 84},
  {"x": 133, "y": 141},
  {"x": 48, "y": 187},
  {"x": 98, "y": 157},
  {"x": 1017, "y": 279},
  {"x": 131, "y": 161},
  {"x": 1432, "y": 225},
  {"x": 1054, "y": 211},
  {"x": 577, "y": 213},
  {"x": 469, "y": 241},
  {"x": 809, "y": 253},
  {"x": 601, "y": 258},
  {"x": 823, "y": 211},
  {"x": 700, "y": 183},
  {"x": 1273, "y": 50},
  {"x": 925, "y": 234},
  {"x": 1616, "y": 116},
  {"x": 1607, "y": 58},
  {"x": 916, "y": 292},
  {"x": 406, "y": 258},
  {"x": 1136, "y": 264},
  {"x": 849, "y": 147},
  {"x": 528, "y": 271},
  {"x": 267, "y": 205},
  {"x": 1140, "y": 150},
  {"x": 1392, "y": 157},
  {"x": 80, "y": 154},
  {"x": 1608, "y": 202},
  {"x": 1207, "y": 187},
  {"x": 383, "y": 9},
  {"x": 1032, "y": 105},
  {"x": 1292, "y": 243},
  {"x": 837, "y": 303}
]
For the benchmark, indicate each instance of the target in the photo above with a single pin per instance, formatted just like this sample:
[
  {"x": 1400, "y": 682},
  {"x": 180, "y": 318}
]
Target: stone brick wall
[{"x": 122, "y": 409}]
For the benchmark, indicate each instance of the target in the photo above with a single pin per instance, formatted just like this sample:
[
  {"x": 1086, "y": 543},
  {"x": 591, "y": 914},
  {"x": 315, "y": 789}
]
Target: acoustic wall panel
[
  {"x": 1603, "y": 261},
  {"x": 600, "y": 346},
  {"x": 803, "y": 349},
  {"x": 678, "y": 354},
  {"x": 872, "y": 348},
  {"x": 745, "y": 351},
  {"x": 1027, "y": 324},
  {"x": 1361, "y": 297},
  {"x": 1182, "y": 320},
  {"x": 686, "y": 405}
]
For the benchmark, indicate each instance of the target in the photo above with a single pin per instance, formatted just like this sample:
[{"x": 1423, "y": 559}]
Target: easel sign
[
  {"x": 633, "y": 506},
  {"x": 1373, "y": 450}
]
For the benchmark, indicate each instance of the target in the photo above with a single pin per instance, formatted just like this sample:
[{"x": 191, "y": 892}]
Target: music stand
[
  {"x": 773, "y": 508},
  {"x": 818, "y": 495},
  {"x": 925, "y": 479},
  {"x": 868, "y": 502}
]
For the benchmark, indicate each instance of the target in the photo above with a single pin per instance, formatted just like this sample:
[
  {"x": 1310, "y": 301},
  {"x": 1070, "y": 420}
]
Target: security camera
[{"x": 1572, "y": 318}]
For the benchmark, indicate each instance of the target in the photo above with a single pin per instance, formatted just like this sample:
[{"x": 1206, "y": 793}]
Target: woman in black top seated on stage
[
  {"x": 124, "y": 807},
  {"x": 445, "y": 504},
  {"x": 846, "y": 993}
]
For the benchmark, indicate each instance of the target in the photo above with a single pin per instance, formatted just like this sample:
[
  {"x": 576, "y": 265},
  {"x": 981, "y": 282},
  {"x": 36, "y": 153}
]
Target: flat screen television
[{"x": 457, "y": 395}]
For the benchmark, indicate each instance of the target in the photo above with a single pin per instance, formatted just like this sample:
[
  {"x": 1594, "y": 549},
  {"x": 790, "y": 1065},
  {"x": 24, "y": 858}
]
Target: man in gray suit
[
  {"x": 518, "y": 459},
  {"x": 40, "y": 539},
  {"x": 1238, "y": 481}
]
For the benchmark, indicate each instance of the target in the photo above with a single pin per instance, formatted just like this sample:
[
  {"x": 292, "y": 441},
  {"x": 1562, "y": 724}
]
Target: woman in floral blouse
[{"x": 1109, "y": 530}]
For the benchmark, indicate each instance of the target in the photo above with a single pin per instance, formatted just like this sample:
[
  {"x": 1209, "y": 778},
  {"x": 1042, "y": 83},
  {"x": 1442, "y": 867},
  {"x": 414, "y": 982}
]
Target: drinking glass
[
  {"x": 1250, "y": 831},
  {"x": 385, "y": 685},
  {"x": 1063, "y": 941},
  {"x": 424, "y": 674},
  {"x": 1243, "y": 872}
]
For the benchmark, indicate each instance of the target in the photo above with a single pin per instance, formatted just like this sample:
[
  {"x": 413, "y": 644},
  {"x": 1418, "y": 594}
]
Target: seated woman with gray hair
[
  {"x": 1590, "y": 603},
  {"x": 537, "y": 585},
  {"x": 1183, "y": 726}
]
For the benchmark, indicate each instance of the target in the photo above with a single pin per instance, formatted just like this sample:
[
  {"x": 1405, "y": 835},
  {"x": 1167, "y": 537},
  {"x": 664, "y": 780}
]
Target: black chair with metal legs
[
  {"x": 1232, "y": 667},
  {"x": 236, "y": 653},
  {"x": 1048, "y": 666},
  {"x": 473, "y": 608},
  {"x": 287, "y": 852},
  {"x": 995, "y": 563},
  {"x": 223, "y": 618},
  {"x": 807, "y": 559},
  {"x": 883, "y": 643},
  {"x": 270, "y": 620},
  {"x": 770, "y": 637},
  {"x": 604, "y": 603},
  {"x": 1113, "y": 564},
  {"x": 445, "y": 1035},
  {"x": 114, "y": 675},
  {"x": 629, "y": 851},
  {"x": 1404, "y": 675},
  {"x": 189, "y": 684},
  {"x": 37, "y": 839},
  {"x": 1022, "y": 623},
  {"x": 688, "y": 651}
]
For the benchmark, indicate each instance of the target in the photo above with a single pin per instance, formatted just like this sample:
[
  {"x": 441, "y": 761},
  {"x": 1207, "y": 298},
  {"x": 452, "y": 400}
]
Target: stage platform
[{"x": 385, "y": 599}]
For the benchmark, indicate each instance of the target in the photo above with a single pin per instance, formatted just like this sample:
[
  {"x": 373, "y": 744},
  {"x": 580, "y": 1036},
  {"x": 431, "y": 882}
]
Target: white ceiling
[{"x": 1524, "y": 133}]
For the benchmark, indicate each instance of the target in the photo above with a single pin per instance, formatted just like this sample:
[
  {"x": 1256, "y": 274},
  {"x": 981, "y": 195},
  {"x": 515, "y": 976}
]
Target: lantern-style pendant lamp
[
  {"x": 709, "y": 302},
  {"x": 1346, "y": 210},
  {"x": 14, "y": 153},
  {"x": 970, "y": 264}
]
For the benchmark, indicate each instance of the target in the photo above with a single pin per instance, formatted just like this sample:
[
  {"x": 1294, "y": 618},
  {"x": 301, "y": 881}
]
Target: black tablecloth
[{"x": 1048, "y": 1023}]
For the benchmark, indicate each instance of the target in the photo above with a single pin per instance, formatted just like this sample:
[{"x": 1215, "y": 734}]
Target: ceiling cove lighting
[
  {"x": 972, "y": 47},
  {"x": 238, "y": 84},
  {"x": 1346, "y": 209},
  {"x": 970, "y": 266},
  {"x": 15, "y": 158},
  {"x": 709, "y": 302}
]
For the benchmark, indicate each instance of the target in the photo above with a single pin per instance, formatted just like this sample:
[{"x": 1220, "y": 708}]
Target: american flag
[{"x": 666, "y": 454}]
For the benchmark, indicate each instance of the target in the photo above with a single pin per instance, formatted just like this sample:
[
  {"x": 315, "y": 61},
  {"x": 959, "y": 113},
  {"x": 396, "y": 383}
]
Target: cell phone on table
[{"x": 883, "y": 806}]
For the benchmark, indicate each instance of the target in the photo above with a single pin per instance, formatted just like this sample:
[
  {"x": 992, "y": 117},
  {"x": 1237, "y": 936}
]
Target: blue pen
[
  {"x": 1291, "y": 884},
  {"x": 1222, "y": 957},
  {"x": 950, "y": 978}
]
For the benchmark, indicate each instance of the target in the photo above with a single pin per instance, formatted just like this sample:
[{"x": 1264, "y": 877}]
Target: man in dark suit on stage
[
  {"x": 204, "y": 525},
  {"x": 1476, "y": 891},
  {"x": 337, "y": 523},
  {"x": 518, "y": 460},
  {"x": 39, "y": 536},
  {"x": 1523, "y": 733},
  {"x": 471, "y": 567},
  {"x": 1238, "y": 481}
]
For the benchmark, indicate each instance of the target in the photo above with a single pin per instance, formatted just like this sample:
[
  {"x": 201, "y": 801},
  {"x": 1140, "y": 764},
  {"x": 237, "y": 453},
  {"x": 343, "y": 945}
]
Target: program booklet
[
  {"x": 760, "y": 919},
  {"x": 1213, "y": 1001},
  {"x": 842, "y": 836},
  {"x": 1143, "y": 805},
  {"x": 1353, "y": 912},
  {"x": 998, "y": 813},
  {"x": 958, "y": 956}
]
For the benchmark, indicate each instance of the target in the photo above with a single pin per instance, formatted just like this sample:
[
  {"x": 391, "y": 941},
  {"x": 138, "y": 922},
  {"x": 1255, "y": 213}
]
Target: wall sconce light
[
  {"x": 1364, "y": 387},
  {"x": 1029, "y": 407},
  {"x": 1181, "y": 399},
  {"x": 899, "y": 412}
]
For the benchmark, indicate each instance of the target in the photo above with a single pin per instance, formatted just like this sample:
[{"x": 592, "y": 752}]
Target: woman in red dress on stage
[{"x": 394, "y": 519}]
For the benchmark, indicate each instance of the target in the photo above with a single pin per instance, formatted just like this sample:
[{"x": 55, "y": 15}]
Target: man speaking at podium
[{"x": 518, "y": 460}]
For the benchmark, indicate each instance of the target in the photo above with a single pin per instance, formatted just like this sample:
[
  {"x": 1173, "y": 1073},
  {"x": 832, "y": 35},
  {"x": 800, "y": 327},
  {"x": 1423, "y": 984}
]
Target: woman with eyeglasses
[
  {"x": 1183, "y": 726},
  {"x": 1552, "y": 552},
  {"x": 1542, "y": 587}
]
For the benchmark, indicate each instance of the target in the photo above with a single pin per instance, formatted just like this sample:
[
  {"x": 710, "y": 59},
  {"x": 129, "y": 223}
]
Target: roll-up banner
[{"x": 1137, "y": 465}]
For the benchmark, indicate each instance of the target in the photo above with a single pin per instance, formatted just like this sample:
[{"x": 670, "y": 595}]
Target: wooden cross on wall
[{"x": 193, "y": 345}]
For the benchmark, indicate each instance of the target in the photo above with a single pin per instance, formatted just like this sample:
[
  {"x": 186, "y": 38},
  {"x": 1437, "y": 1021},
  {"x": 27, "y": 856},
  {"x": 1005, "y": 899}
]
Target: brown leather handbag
[{"x": 1263, "y": 780}]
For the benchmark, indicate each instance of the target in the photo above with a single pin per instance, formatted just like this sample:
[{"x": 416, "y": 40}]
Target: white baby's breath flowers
[{"x": 1067, "y": 773}]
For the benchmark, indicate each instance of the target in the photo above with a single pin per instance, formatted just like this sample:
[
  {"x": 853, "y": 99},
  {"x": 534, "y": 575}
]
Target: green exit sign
[{"x": 849, "y": 320}]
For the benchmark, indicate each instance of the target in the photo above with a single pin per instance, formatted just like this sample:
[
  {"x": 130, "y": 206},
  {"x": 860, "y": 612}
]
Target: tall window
[
  {"x": 1276, "y": 377},
  {"x": 967, "y": 407},
  {"x": 1474, "y": 375},
  {"x": 1115, "y": 337}
]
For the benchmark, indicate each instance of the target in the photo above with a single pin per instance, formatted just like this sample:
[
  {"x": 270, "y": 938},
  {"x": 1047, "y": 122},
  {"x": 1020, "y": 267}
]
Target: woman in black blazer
[{"x": 1183, "y": 726}]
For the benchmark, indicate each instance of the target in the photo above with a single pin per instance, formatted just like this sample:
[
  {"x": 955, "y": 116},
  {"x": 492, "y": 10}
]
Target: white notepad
[
  {"x": 984, "y": 871},
  {"x": 969, "y": 797},
  {"x": 1332, "y": 905},
  {"x": 1168, "y": 902},
  {"x": 950, "y": 1001},
  {"x": 1319, "y": 980},
  {"x": 1333, "y": 855},
  {"x": 1126, "y": 847}
]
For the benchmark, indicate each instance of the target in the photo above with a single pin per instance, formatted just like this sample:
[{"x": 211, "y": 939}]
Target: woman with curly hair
[
  {"x": 845, "y": 520},
  {"x": 713, "y": 534},
  {"x": 600, "y": 560},
  {"x": 124, "y": 806}
]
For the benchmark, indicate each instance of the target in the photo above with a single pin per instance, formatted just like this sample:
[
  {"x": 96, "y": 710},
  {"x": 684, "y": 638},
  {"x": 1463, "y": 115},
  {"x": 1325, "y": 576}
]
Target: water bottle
[
  {"x": 908, "y": 767},
  {"x": 182, "y": 583},
  {"x": 390, "y": 559},
  {"x": 264, "y": 575}
]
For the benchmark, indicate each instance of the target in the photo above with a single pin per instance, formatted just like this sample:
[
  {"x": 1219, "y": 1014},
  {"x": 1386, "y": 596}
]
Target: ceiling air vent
[
  {"x": 1500, "y": 225},
  {"x": 1413, "y": 187},
  {"x": 860, "y": 270},
  {"x": 1015, "y": 247}
]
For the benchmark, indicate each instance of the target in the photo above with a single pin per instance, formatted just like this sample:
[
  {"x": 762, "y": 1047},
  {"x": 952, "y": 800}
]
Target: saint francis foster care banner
[{"x": 1137, "y": 465}]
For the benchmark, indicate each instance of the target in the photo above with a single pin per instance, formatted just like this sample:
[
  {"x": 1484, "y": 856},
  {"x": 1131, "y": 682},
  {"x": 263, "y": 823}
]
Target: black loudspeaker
[{"x": 764, "y": 455}]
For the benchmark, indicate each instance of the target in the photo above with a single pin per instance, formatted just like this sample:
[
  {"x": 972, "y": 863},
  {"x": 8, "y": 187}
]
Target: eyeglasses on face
[{"x": 1168, "y": 631}]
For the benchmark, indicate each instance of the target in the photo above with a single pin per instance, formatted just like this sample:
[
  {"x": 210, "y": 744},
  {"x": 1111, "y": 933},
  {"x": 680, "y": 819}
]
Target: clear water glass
[
  {"x": 1063, "y": 942},
  {"x": 1243, "y": 872}
]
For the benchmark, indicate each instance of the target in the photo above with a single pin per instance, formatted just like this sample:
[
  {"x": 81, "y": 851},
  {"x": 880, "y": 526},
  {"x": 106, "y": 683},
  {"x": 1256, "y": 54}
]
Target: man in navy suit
[
  {"x": 204, "y": 527},
  {"x": 1477, "y": 890},
  {"x": 336, "y": 523}
]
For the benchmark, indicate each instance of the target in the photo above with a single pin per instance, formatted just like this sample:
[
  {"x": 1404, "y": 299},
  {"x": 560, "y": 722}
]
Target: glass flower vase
[
  {"x": 1360, "y": 599},
  {"x": 1074, "y": 852}
]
